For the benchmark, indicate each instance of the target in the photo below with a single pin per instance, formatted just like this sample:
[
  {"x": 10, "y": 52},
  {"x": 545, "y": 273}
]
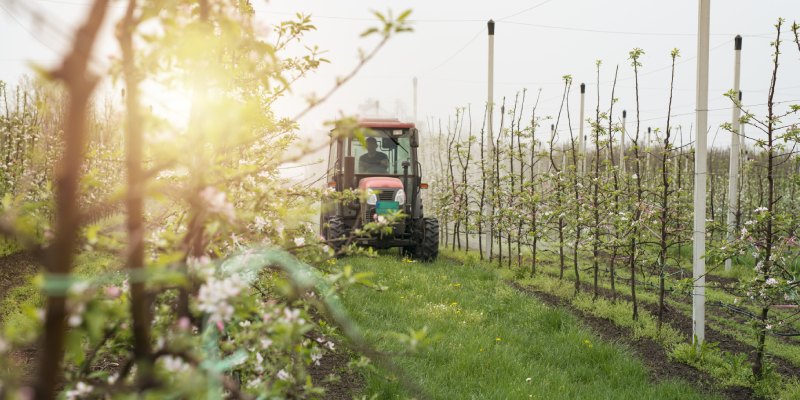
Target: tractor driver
[{"x": 373, "y": 161}]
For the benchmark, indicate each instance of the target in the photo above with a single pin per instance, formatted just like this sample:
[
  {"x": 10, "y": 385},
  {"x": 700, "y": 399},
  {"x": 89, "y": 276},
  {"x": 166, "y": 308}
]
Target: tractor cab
[{"x": 383, "y": 165}]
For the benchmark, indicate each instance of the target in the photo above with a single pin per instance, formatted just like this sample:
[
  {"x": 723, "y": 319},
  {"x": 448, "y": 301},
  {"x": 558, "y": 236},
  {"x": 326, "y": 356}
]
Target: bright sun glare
[{"x": 172, "y": 103}]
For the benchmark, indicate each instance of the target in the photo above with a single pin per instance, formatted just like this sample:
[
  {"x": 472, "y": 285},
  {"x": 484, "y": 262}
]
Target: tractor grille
[
  {"x": 383, "y": 195},
  {"x": 386, "y": 195}
]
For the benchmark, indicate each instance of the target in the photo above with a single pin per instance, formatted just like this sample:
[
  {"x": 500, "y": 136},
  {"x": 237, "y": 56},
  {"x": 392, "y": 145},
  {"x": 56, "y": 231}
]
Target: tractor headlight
[
  {"x": 400, "y": 197},
  {"x": 372, "y": 199}
]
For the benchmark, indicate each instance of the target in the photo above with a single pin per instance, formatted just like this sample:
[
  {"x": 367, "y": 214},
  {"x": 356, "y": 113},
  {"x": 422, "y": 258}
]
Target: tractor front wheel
[
  {"x": 336, "y": 233},
  {"x": 428, "y": 247}
]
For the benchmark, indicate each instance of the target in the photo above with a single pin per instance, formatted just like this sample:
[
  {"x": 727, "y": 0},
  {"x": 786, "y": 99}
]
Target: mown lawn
[{"x": 487, "y": 341}]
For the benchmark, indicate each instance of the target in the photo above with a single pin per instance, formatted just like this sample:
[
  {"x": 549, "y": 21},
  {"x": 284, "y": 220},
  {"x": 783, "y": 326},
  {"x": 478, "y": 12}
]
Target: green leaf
[
  {"x": 368, "y": 32},
  {"x": 379, "y": 16},
  {"x": 404, "y": 15},
  {"x": 74, "y": 347}
]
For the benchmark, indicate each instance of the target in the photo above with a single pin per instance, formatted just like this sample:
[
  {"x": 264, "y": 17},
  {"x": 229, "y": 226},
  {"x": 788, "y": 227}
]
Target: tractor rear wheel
[
  {"x": 336, "y": 233},
  {"x": 428, "y": 247}
]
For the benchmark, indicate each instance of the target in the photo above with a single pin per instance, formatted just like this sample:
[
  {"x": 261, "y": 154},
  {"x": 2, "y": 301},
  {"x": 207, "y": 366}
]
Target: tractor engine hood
[{"x": 380, "y": 182}]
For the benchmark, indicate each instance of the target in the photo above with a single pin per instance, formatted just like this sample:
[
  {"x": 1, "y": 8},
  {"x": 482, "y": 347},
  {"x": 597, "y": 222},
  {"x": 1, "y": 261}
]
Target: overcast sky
[{"x": 537, "y": 42}]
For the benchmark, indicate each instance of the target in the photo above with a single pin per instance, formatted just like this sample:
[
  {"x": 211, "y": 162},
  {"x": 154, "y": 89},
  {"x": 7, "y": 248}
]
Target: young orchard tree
[
  {"x": 636, "y": 189},
  {"x": 665, "y": 215},
  {"x": 513, "y": 203},
  {"x": 497, "y": 196},
  {"x": 575, "y": 176},
  {"x": 614, "y": 241},
  {"x": 443, "y": 191},
  {"x": 597, "y": 180},
  {"x": 80, "y": 84},
  {"x": 464, "y": 161},
  {"x": 769, "y": 235},
  {"x": 212, "y": 211},
  {"x": 559, "y": 185},
  {"x": 532, "y": 198},
  {"x": 520, "y": 215},
  {"x": 484, "y": 177},
  {"x": 454, "y": 145}
]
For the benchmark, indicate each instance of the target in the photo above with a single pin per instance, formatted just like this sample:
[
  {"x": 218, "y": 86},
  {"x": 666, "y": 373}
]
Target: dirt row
[
  {"x": 14, "y": 269},
  {"x": 683, "y": 324},
  {"x": 653, "y": 355}
]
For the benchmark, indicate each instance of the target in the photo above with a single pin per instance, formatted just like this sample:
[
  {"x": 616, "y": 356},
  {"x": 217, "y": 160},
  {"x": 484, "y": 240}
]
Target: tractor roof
[{"x": 384, "y": 123}]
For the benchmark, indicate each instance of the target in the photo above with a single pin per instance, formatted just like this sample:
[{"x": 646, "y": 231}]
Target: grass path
[{"x": 487, "y": 341}]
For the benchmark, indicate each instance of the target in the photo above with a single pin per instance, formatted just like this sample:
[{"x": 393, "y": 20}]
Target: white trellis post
[
  {"x": 733, "y": 171},
  {"x": 622, "y": 142},
  {"x": 700, "y": 168},
  {"x": 415, "y": 99},
  {"x": 489, "y": 130},
  {"x": 581, "y": 138}
]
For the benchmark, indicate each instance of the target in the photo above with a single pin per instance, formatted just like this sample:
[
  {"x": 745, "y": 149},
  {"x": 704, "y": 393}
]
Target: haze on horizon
[{"x": 537, "y": 43}]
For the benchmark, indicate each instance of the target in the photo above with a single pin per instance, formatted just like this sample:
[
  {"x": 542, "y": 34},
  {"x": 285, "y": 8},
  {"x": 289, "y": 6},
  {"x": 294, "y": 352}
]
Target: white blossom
[
  {"x": 80, "y": 391},
  {"x": 315, "y": 357},
  {"x": 771, "y": 282},
  {"x": 200, "y": 266},
  {"x": 290, "y": 314},
  {"x": 260, "y": 223},
  {"x": 759, "y": 266},
  {"x": 216, "y": 202},
  {"x": 78, "y": 288},
  {"x": 300, "y": 241},
  {"x": 174, "y": 364},
  {"x": 213, "y": 297},
  {"x": 283, "y": 375},
  {"x": 74, "y": 320}
]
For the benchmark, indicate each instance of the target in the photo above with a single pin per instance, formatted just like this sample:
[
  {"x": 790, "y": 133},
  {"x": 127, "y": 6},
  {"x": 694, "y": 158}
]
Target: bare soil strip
[
  {"x": 654, "y": 356},
  {"x": 14, "y": 270}
]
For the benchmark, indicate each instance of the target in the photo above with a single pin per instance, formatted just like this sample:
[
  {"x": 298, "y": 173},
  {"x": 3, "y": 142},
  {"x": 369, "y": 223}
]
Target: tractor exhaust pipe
[{"x": 349, "y": 172}]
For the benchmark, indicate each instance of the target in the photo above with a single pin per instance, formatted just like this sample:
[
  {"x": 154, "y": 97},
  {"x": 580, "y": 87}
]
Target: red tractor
[{"x": 383, "y": 165}]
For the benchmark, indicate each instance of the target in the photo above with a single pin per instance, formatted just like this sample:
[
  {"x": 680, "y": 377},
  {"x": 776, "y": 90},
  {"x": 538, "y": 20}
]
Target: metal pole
[
  {"x": 700, "y": 168},
  {"x": 490, "y": 131},
  {"x": 733, "y": 171},
  {"x": 647, "y": 140},
  {"x": 622, "y": 142},
  {"x": 581, "y": 138},
  {"x": 415, "y": 99}
]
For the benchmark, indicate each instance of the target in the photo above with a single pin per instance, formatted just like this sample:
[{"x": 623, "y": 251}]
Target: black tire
[
  {"x": 336, "y": 233},
  {"x": 428, "y": 247}
]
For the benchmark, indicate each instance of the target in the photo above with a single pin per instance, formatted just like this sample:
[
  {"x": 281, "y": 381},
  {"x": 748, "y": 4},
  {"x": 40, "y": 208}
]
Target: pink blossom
[{"x": 113, "y": 292}]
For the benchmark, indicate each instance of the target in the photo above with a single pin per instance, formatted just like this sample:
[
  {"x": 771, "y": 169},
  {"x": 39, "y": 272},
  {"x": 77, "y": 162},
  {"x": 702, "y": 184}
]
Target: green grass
[
  {"x": 485, "y": 340},
  {"x": 23, "y": 300},
  {"x": 722, "y": 365},
  {"x": 8, "y": 246},
  {"x": 648, "y": 294}
]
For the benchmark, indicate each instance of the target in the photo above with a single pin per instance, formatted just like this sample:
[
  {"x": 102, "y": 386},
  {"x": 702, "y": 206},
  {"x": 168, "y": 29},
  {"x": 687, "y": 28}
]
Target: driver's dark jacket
[{"x": 372, "y": 162}]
